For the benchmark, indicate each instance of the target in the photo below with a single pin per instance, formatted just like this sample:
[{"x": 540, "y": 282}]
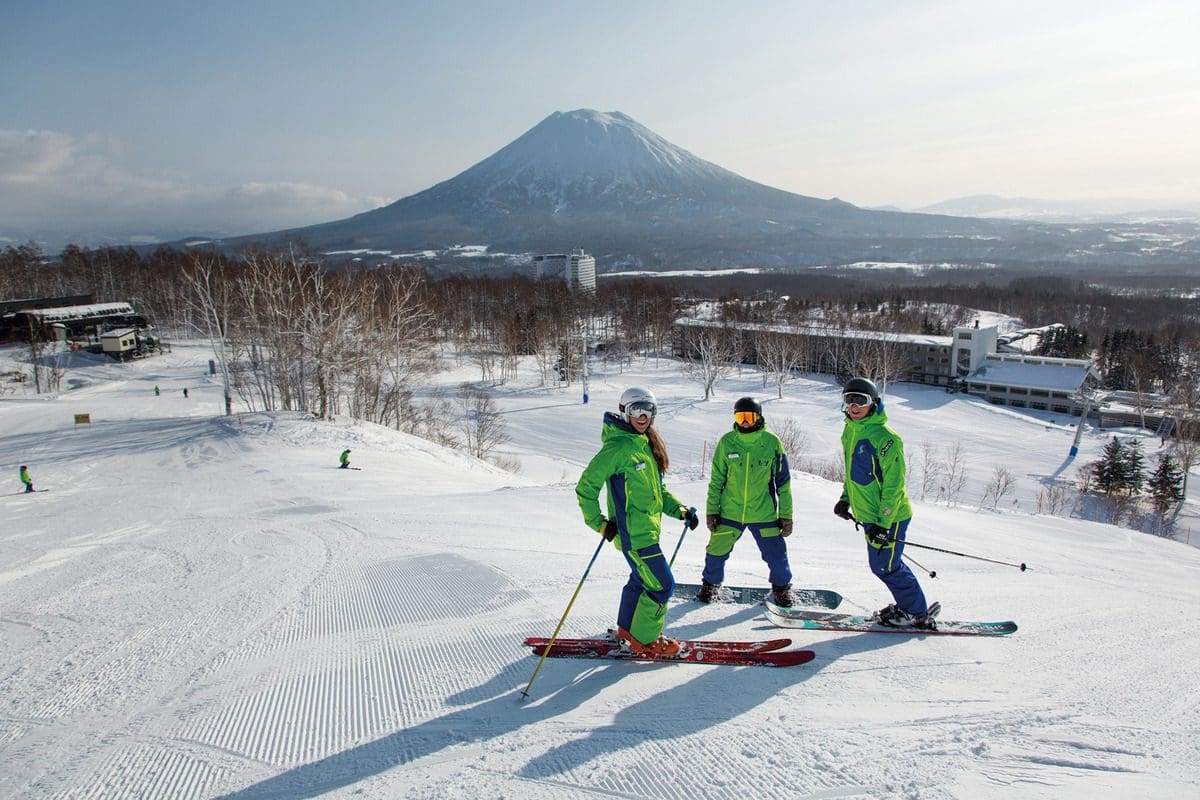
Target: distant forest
[{"x": 1142, "y": 332}]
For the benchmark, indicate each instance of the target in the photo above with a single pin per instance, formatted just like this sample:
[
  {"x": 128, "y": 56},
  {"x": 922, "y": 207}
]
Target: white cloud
[{"x": 54, "y": 182}]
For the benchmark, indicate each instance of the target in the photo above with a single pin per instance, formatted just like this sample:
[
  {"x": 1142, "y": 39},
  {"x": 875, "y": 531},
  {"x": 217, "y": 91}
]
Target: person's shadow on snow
[{"x": 693, "y": 707}]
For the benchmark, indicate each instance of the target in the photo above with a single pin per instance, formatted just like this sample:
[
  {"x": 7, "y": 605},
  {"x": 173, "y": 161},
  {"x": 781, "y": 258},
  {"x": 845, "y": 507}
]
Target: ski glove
[
  {"x": 842, "y": 509},
  {"x": 785, "y": 528},
  {"x": 878, "y": 534},
  {"x": 692, "y": 519},
  {"x": 712, "y": 520},
  {"x": 609, "y": 530}
]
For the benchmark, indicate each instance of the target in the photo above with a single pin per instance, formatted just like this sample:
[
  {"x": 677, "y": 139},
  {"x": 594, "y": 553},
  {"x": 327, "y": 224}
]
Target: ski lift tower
[
  {"x": 583, "y": 361},
  {"x": 1087, "y": 406}
]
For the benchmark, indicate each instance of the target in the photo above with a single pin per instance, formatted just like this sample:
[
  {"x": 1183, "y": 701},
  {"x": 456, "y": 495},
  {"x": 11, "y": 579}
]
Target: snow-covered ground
[{"x": 202, "y": 606}]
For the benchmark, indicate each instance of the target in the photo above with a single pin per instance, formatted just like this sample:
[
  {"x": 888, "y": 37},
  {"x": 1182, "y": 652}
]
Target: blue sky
[{"x": 251, "y": 116}]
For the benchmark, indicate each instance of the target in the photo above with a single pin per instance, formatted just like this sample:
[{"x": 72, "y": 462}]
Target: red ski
[
  {"x": 696, "y": 644},
  {"x": 693, "y": 652}
]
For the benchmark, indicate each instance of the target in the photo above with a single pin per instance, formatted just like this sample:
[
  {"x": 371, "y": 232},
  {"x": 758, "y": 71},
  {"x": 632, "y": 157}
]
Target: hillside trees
[
  {"x": 779, "y": 356},
  {"x": 290, "y": 336}
]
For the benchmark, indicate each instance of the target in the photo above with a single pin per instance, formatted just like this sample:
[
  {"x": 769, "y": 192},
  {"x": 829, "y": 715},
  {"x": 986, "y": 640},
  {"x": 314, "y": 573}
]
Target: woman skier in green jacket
[{"x": 630, "y": 465}]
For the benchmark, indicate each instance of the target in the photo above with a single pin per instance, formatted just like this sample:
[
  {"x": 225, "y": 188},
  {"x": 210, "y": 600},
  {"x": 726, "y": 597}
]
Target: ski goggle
[
  {"x": 641, "y": 409},
  {"x": 745, "y": 417},
  {"x": 856, "y": 399}
]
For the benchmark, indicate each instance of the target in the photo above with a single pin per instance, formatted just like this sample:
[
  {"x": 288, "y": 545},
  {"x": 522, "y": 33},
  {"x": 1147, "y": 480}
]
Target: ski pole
[
  {"x": 1020, "y": 566},
  {"x": 919, "y": 566},
  {"x": 550, "y": 644},
  {"x": 678, "y": 545}
]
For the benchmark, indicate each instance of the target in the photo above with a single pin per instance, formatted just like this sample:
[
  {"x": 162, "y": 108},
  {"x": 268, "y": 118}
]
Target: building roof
[
  {"x": 117, "y": 334},
  {"x": 825, "y": 331},
  {"x": 78, "y": 312},
  {"x": 1054, "y": 374}
]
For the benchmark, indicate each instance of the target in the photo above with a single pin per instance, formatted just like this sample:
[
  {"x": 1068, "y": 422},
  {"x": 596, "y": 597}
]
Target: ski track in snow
[{"x": 254, "y": 626}]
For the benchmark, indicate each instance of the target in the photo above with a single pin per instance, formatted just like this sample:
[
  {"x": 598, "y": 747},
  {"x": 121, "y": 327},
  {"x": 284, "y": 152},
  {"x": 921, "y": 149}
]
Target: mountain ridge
[{"x": 603, "y": 181}]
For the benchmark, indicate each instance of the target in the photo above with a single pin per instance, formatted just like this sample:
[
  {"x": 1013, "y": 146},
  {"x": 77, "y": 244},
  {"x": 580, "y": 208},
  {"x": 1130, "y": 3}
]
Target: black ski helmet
[
  {"x": 863, "y": 386},
  {"x": 748, "y": 404}
]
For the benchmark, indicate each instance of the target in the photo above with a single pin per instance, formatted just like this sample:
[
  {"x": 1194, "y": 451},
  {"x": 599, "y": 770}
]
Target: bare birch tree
[
  {"x": 714, "y": 353},
  {"x": 780, "y": 355}
]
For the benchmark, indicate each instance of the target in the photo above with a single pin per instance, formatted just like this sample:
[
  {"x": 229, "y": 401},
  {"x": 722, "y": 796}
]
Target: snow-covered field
[{"x": 202, "y": 606}]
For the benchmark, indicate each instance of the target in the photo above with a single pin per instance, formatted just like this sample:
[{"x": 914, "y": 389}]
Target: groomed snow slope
[{"x": 201, "y": 606}]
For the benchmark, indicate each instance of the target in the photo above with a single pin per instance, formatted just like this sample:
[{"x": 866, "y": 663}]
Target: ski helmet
[
  {"x": 748, "y": 406},
  {"x": 637, "y": 401},
  {"x": 862, "y": 389}
]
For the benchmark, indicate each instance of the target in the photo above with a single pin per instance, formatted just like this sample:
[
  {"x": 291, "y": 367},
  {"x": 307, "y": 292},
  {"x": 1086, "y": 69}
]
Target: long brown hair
[{"x": 659, "y": 448}]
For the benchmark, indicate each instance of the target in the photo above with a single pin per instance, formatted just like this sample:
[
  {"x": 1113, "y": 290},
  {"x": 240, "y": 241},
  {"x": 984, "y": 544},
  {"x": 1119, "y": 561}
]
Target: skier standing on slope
[
  {"x": 344, "y": 459},
  {"x": 23, "y": 474},
  {"x": 874, "y": 494},
  {"x": 630, "y": 464},
  {"x": 750, "y": 488}
]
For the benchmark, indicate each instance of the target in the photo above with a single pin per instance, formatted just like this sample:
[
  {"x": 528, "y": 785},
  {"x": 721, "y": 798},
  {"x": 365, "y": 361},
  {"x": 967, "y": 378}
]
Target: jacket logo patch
[
  {"x": 734, "y": 455},
  {"x": 887, "y": 447},
  {"x": 641, "y": 465}
]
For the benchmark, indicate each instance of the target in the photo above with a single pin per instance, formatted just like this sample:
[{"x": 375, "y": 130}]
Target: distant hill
[
  {"x": 1118, "y": 210},
  {"x": 606, "y": 183}
]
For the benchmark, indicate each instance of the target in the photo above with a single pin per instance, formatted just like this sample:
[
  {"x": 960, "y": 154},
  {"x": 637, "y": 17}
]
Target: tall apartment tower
[{"x": 577, "y": 268}]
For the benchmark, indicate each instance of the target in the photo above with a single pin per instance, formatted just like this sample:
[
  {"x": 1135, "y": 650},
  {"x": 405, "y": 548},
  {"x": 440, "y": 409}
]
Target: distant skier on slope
[
  {"x": 630, "y": 464},
  {"x": 750, "y": 488},
  {"x": 345, "y": 459},
  {"x": 23, "y": 474},
  {"x": 874, "y": 494}
]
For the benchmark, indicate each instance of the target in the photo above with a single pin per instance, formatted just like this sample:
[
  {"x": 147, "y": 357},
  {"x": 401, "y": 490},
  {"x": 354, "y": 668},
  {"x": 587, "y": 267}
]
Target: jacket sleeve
[
  {"x": 587, "y": 490},
  {"x": 716, "y": 483},
  {"x": 673, "y": 505},
  {"x": 783, "y": 484},
  {"x": 892, "y": 488}
]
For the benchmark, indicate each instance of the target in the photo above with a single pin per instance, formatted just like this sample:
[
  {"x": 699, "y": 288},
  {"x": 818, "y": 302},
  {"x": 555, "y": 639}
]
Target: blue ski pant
[
  {"x": 643, "y": 608},
  {"x": 889, "y": 567},
  {"x": 771, "y": 545}
]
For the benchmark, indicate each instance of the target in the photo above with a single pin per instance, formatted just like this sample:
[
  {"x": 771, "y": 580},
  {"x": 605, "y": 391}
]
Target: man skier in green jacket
[
  {"x": 750, "y": 488},
  {"x": 874, "y": 494}
]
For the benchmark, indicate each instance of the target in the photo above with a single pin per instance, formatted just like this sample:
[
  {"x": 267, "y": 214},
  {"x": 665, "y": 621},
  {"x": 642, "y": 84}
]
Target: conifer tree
[
  {"x": 1134, "y": 466},
  {"x": 1109, "y": 472},
  {"x": 1166, "y": 484}
]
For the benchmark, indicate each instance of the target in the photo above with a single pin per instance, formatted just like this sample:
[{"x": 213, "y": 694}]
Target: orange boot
[{"x": 660, "y": 647}]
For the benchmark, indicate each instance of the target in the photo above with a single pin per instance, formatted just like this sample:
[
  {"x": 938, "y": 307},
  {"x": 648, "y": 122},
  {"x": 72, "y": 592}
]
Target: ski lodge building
[
  {"x": 52, "y": 320},
  {"x": 968, "y": 360}
]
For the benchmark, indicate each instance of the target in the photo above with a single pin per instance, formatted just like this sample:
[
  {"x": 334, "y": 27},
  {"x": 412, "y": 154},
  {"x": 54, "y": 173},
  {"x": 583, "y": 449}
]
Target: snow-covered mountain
[
  {"x": 1065, "y": 211},
  {"x": 604, "y": 182}
]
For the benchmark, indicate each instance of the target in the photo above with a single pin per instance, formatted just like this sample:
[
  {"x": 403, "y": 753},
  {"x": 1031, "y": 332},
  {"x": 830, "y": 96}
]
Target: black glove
[
  {"x": 692, "y": 519},
  {"x": 609, "y": 531},
  {"x": 712, "y": 521},
  {"x": 785, "y": 527},
  {"x": 878, "y": 534},
  {"x": 842, "y": 509}
]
